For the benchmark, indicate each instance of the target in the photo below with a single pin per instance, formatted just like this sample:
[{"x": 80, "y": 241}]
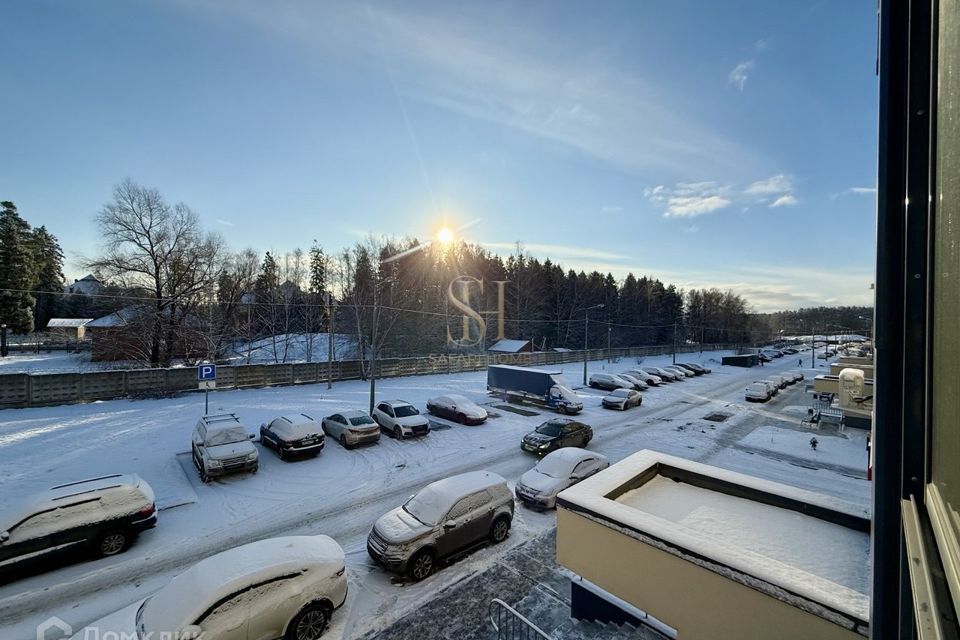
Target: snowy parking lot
[{"x": 341, "y": 492}]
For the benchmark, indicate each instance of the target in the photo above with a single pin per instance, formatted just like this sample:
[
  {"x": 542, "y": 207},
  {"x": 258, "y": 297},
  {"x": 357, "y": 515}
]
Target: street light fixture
[{"x": 586, "y": 336}]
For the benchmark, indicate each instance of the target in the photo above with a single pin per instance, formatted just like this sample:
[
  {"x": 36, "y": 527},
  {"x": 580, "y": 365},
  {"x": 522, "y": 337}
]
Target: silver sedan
[{"x": 351, "y": 428}]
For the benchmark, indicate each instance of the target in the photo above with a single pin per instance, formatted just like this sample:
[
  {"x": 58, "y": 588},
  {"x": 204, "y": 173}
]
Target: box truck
[{"x": 543, "y": 387}]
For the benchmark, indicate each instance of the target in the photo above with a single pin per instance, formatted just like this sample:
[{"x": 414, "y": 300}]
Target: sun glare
[{"x": 445, "y": 235}]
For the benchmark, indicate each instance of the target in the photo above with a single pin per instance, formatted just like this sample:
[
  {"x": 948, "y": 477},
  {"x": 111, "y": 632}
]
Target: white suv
[
  {"x": 442, "y": 519},
  {"x": 400, "y": 419},
  {"x": 221, "y": 445}
]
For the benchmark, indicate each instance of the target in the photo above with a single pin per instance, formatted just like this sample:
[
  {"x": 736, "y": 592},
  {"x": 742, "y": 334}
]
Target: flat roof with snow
[{"x": 802, "y": 548}]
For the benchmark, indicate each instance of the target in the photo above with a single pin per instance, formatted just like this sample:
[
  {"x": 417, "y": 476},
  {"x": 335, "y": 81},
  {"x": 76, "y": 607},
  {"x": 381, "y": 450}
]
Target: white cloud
[
  {"x": 690, "y": 206},
  {"x": 225, "y": 223},
  {"x": 690, "y": 199},
  {"x": 784, "y": 201},
  {"x": 777, "y": 184},
  {"x": 863, "y": 190},
  {"x": 738, "y": 77},
  {"x": 554, "y": 251}
]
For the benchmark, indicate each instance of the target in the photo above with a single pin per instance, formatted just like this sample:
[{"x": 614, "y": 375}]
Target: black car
[
  {"x": 293, "y": 435},
  {"x": 555, "y": 434},
  {"x": 697, "y": 367},
  {"x": 691, "y": 369},
  {"x": 102, "y": 515}
]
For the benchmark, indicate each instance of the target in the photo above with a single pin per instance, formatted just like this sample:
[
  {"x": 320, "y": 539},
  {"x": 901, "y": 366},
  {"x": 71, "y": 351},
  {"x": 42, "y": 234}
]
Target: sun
[{"x": 445, "y": 235}]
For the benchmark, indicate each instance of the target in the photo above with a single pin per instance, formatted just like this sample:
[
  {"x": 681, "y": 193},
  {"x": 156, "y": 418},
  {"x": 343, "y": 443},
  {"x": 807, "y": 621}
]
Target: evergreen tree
[
  {"x": 318, "y": 269},
  {"x": 17, "y": 270},
  {"x": 48, "y": 281}
]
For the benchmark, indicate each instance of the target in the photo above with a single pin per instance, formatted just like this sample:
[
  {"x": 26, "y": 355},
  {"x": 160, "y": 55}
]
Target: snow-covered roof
[
  {"x": 189, "y": 594},
  {"x": 61, "y": 495},
  {"x": 294, "y": 427},
  {"x": 562, "y": 349},
  {"x": 116, "y": 319},
  {"x": 603, "y": 496},
  {"x": 509, "y": 346},
  {"x": 455, "y": 487},
  {"x": 67, "y": 323}
]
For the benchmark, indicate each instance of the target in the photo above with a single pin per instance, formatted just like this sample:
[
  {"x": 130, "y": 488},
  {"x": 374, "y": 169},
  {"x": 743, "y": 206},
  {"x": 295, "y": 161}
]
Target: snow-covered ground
[
  {"x": 47, "y": 362},
  {"x": 293, "y": 347},
  {"x": 341, "y": 493}
]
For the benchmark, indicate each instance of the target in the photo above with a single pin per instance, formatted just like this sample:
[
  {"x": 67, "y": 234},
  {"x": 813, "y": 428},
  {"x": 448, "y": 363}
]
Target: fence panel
[
  {"x": 55, "y": 388},
  {"x": 15, "y": 390},
  {"x": 104, "y": 385}
]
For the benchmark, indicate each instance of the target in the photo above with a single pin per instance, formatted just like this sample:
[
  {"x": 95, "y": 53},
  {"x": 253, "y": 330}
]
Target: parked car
[
  {"x": 453, "y": 406},
  {"x": 556, "y": 433},
  {"x": 221, "y": 445},
  {"x": 797, "y": 375},
  {"x": 442, "y": 519},
  {"x": 103, "y": 515},
  {"x": 609, "y": 382},
  {"x": 663, "y": 375},
  {"x": 763, "y": 357},
  {"x": 772, "y": 387},
  {"x": 351, "y": 428},
  {"x": 696, "y": 367},
  {"x": 275, "y": 588},
  {"x": 563, "y": 468},
  {"x": 757, "y": 392},
  {"x": 689, "y": 367},
  {"x": 823, "y": 356},
  {"x": 637, "y": 383},
  {"x": 779, "y": 380},
  {"x": 400, "y": 419},
  {"x": 294, "y": 435},
  {"x": 680, "y": 371},
  {"x": 649, "y": 378},
  {"x": 622, "y": 399}
]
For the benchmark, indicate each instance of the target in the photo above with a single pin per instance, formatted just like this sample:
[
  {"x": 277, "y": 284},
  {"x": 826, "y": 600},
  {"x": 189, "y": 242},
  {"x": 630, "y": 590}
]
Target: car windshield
[
  {"x": 550, "y": 429},
  {"x": 428, "y": 506},
  {"x": 405, "y": 410},
  {"x": 361, "y": 420},
  {"x": 226, "y": 436},
  {"x": 555, "y": 467},
  {"x": 621, "y": 393}
]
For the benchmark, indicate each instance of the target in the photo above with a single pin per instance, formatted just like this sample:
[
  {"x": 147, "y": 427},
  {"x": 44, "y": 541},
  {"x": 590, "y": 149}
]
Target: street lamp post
[
  {"x": 3, "y": 340},
  {"x": 586, "y": 336}
]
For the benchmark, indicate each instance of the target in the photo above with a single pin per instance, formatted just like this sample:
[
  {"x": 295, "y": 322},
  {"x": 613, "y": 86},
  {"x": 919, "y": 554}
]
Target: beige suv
[{"x": 443, "y": 519}]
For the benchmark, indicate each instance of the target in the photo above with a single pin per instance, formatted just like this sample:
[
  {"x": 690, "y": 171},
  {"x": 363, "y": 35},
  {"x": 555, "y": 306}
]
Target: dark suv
[{"x": 556, "y": 433}]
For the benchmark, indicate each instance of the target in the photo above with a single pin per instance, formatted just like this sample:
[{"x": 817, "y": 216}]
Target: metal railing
[{"x": 511, "y": 625}]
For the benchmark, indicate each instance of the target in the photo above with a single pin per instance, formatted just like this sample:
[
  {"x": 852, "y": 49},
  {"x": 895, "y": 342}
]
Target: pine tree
[
  {"x": 17, "y": 270},
  {"x": 48, "y": 276},
  {"x": 318, "y": 269}
]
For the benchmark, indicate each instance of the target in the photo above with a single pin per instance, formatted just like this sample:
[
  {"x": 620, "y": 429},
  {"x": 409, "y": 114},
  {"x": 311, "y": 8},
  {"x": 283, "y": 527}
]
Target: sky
[{"x": 728, "y": 145}]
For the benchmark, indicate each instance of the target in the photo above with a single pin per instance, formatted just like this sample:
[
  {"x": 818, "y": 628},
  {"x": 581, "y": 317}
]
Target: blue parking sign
[{"x": 207, "y": 372}]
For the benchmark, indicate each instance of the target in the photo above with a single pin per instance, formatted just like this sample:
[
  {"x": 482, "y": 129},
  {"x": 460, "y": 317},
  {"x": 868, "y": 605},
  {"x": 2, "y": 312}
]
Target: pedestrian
[{"x": 799, "y": 362}]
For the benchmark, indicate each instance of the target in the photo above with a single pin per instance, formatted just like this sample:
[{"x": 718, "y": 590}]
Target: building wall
[{"x": 698, "y": 603}]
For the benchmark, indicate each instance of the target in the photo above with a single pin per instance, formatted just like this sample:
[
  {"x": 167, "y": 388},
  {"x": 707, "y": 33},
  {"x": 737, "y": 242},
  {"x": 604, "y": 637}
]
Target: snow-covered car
[
  {"x": 555, "y": 434},
  {"x": 622, "y": 399},
  {"x": 294, "y": 435},
  {"x": 666, "y": 376},
  {"x": 104, "y": 515},
  {"x": 221, "y": 445},
  {"x": 275, "y": 588},
  {"x": 763, "y": 357},
  {"x": 563, "y": 468},
  {"x": 400, "y": 419},
  {"x": 609, "y": 382},
  {"x": 779, "y": 380},
  {"x": 453, "y": 406},
  {"x": 699, "y": 368},
  {"x": 443, "y": 518},
  {"x": 648, "y": 378},
  {"x": 638, "y": 383},
  {"x": 680, "y": 371},
  {"x": 689, "y": 367},
  {"x": 797, "y": 375},
  {"x": 757, "y": 392},
  {"x": 773, "y": 388},
  {"x": 351, "y": 428}
]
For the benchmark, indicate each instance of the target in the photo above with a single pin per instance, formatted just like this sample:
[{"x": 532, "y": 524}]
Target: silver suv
[
  {"x": 441, "y": 520},
  {"x": 221, "y": 445}
]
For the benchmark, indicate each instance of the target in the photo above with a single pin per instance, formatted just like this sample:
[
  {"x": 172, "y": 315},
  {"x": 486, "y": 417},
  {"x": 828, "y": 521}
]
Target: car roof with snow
[
  {"x": 188, "y": 595},
  {"x": 621, "y": 393},
  {"x": 353, "y": 413},
  {"x": 456, "y": 398},
  {"x": 66, "y": 494},
  {"x": 569, "y": 454},
  {"x": 295, "y": 426},
  {"x": 455, "y": 487},
  {"x": 397, "y": 403}
]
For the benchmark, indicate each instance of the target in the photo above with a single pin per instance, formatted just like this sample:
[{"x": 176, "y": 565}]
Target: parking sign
[{"x": 207, "y": 372}]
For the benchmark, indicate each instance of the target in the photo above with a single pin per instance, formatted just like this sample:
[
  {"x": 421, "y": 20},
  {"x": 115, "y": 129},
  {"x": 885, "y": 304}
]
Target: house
[
  {"x": 88, "y": 285},
  {"x": 71, "y": 329},
  {"x": 511, "y": 346},
  {"x": 127, "y": 334}
]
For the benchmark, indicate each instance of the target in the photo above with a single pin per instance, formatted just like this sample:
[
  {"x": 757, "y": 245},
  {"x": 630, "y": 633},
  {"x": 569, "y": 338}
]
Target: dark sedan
[
  {"x": 290, "y": 436},
  {"x": 555, "y": 434}
]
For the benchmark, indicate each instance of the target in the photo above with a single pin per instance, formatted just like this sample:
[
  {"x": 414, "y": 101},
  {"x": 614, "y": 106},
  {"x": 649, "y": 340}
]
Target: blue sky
[{"x": 723, "y": 144}]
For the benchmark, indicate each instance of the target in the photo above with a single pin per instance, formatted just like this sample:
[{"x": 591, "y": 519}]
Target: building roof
[
  {"x": 509, "y": 346},
  {"x": 67, "y": 323}
]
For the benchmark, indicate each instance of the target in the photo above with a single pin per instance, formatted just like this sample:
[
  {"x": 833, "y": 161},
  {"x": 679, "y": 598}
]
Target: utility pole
[
  {"x": 586, "y": 337},
  {"x": 373, "y": 338},
  {"x": 609, "y": 353},
  {"x": 701, "y": 339},
  {"x": 674, "y": 343},
  {"x": 329, "y": 301},
  {"x": 813, "y": 347}
]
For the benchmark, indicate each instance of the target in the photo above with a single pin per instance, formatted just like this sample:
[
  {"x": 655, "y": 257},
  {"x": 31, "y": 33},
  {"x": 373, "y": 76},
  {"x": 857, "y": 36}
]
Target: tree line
[{"x": 181, "y": 292}]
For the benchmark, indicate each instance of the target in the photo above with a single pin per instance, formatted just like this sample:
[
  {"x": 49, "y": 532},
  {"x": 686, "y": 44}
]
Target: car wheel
[
  {"x": 421, "y": 565},
  {"x": 309, "y": 624},
  {"x": 500, "y": 529},
  {"x": 204, "y": 478},
  {"x": 562, "y": 410},
  {"x": 462, "y": 419},
  {"x": 343, "y": 441},
  {"x": 111, "y": 543},
  {"x": 280, "y": 453},
  {"x": 398, "y": 433}
]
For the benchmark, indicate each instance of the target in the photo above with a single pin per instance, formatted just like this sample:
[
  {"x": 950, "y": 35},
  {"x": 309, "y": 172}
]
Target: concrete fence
[{"x": 36, "y": 390}]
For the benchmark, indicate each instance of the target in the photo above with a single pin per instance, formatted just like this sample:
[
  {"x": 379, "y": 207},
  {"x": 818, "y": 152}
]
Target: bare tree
[{"x": 160, "y": 251}]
